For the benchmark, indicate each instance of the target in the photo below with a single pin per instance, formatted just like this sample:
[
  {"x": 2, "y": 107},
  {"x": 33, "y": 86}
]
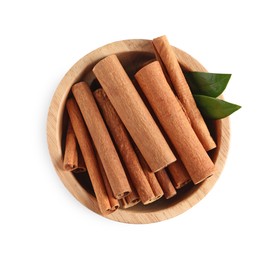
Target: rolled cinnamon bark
[
  {"x": 169, "y": 112},
  {"x": 125, "y": 148},
  {"x": 70, "y": 155},
  {"x": 102, "y": 140},
  {"x": 169, "y": 59},
  {"x": 133, "y": 113},
  {"x": 114, "y": 203},
  {"x": 178, "y": 173},
  {"x": 151, "y": 177},
  {"x": 87, "y": 150},
  {"x": 131, "y": 199},
  {"x": 81, "y": 168},
  {"x": 166, "y": 184}
]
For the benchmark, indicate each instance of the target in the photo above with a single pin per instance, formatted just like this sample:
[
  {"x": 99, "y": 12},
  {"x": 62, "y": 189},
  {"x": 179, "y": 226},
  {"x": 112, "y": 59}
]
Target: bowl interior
[{"x": 80, "y": 185}]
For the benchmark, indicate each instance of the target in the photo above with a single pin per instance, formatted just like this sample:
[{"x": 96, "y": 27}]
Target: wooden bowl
[{"x": 132, "y": 54}]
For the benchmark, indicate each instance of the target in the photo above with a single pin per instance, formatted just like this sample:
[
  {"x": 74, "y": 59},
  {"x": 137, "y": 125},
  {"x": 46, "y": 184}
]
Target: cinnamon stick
[
  {"x": 169, "y": 112},
  {"x": 176, "y": 170},
  {"x": 125, "y": 148},
  {"x": 166, "y": 184},
  {"x": 114, "y": 203},
  {"x": 131, "y": 199},
  {"x": 87, "y": 150},
  {"x": 70, "y": 155},
  {"x": 102, "y": 140},
  {"x": 151, "y": 177},
  {"x": 133, "y": 113},
  {"x": 178, "y": 173},
  {"x": 81, "y": 167},
  {"x": 169, "y": 59}
]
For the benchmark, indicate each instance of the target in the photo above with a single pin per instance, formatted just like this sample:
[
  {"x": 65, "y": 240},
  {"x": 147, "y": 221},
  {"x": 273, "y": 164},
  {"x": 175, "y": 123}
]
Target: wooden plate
[{"x": 132, "y": 54}]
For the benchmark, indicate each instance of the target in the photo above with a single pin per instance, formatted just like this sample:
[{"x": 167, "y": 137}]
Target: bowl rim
[{"x": 54, "y": 135}]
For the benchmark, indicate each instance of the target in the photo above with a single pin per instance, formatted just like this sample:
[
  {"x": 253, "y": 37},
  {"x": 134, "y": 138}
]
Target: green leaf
[
  {"x": 208, "y": 84},
  {"x": 214, "y": 108}
]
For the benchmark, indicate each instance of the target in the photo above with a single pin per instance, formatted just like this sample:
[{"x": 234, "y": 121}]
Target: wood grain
[{"x": 132, "y": 53}]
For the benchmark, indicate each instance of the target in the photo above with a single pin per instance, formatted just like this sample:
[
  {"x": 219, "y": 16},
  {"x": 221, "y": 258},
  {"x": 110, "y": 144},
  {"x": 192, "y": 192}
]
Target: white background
[{"x": 41, "y": 40}]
